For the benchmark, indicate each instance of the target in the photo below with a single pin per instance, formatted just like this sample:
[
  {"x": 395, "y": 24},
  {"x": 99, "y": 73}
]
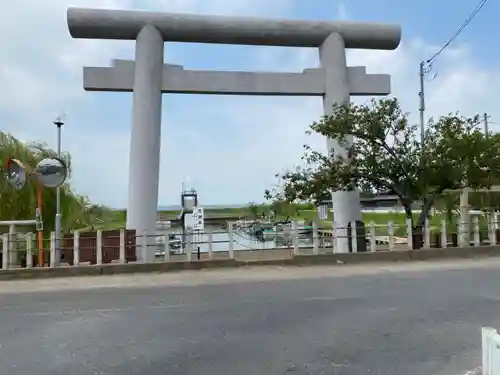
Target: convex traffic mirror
[{"x": 50, "y": 172}]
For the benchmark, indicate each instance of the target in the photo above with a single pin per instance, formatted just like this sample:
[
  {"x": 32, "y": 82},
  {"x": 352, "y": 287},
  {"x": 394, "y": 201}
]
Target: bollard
[
  {"x": 122, "y": 258},
  {"x": 476, "y": 236},
  {"x": 52, "y": 257},
  {"x": 295, "y": 238},
  {"x": 231, "y": 241},
  {"x": 76, "y": 248},
  {"x": 189, "y": 247},
  {"x": 354, "y": 236},
  {"x": 12, "y": 245},
  {"x": 210, "y": 243},
  {"x": 5, "y": 251},
  {"x": 409, "y": 233},
  {"x": 334, "y": 237},
  {"x": 144, "y": 246},
  {"x": 29, "y": 250},
  {"x": 427, "y": 234},
  {"x": 315, "y": 238},
  {"x": 98, "y": 247},
  {"x": 373, "y": 237},
  {"x": 444, "y": 235},
  {"x": 390, "y": 233},
  {"x": 166, "y": 248},
  {"x": 491, "y": 230}
]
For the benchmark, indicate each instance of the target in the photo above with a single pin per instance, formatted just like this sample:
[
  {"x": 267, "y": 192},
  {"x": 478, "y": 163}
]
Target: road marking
[{"x": 95, "y": 311}]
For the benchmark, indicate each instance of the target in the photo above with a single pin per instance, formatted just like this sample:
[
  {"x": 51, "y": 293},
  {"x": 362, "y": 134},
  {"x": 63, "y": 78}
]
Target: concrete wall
[{"x": 277, "y": 257}]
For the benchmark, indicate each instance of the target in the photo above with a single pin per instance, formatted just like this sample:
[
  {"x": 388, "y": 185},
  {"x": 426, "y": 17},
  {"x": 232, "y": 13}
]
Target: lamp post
[{"x": 59, "y": 123}]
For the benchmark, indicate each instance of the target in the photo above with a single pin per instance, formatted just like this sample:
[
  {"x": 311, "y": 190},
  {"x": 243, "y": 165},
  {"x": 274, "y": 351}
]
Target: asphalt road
[{"x": 407, "y": 322}]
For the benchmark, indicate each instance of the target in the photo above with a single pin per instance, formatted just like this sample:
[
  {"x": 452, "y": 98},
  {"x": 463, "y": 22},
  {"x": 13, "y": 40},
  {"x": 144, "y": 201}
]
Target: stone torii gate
[{"x": 148, "y": 77}]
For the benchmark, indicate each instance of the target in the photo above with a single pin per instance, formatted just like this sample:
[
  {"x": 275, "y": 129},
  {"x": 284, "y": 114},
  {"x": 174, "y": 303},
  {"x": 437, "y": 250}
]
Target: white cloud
[{"x": 41, "y": 78}]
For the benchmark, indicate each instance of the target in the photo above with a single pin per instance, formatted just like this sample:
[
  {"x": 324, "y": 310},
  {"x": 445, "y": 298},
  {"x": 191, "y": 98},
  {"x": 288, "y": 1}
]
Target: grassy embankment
[{"x": 116, "y": 219}]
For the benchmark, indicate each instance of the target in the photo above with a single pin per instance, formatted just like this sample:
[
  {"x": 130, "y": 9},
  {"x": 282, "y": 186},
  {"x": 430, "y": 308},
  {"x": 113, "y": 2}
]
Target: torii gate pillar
[
  {"x": 332, "y": 56},
  {"x": 145, "y": 137}
]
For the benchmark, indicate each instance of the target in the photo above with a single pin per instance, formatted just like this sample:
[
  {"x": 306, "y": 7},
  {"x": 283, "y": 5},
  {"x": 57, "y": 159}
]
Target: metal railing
[{"x": 238, "y": 242}]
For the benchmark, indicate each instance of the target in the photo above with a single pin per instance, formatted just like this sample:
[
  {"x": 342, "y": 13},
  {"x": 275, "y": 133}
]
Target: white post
[
  {"x": 444, "y": 235},
  {"x": 332, "y": 56},
  {"x": 492, "y": 232},
  {"x": 390, "y": 233},
  {"x": 98, "y": 247},
  {"x": 409, "y": 233},
  {"x": 210, "y": 243},
  {"x": 122, "y": 258},
  {"x": 145, "y": 137},
  {"x": 189, "y": 247},
  {"x": 144, "y": 246},
  {"x": 166, "y": 248},
  {"x": 477, "y": 238},
  {"x": 427, "y": 234},
  {"x": 463, "y": 233},
  {"x": 373, "y": 237},
  {"x": 231, "y": 241},
  {"x": 29, "y": 250},
  {"x": 5, "y": 251},
  {"x": 354, "y": 237},
  {"x": 315, "y": 238},
  {"x": 295, "y": 238},
  {"x": 335, "y": 243},
  {"x": 52, "y": 249},
  {"x": 76, "y": 248},
  {"x": 12, "y": 245}
]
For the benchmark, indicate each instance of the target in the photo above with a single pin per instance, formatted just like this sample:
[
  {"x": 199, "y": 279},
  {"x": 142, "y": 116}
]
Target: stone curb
[{"x": 297, "y": 260}]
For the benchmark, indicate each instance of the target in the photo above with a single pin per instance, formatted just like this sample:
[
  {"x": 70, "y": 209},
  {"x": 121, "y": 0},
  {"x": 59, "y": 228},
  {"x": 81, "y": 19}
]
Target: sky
[{"x": 226, "y": 147}]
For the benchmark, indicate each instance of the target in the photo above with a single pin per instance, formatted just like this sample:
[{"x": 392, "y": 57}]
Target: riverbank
[{"x": 117, "y": 220}]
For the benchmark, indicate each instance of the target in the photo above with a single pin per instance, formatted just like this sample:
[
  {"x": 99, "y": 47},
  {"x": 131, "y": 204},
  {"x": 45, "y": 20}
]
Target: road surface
[{"x": 413, "y": 319}]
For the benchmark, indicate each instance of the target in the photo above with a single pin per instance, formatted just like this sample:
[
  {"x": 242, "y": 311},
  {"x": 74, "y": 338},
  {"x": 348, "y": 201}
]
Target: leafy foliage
[{"x": 381, "y": 153}]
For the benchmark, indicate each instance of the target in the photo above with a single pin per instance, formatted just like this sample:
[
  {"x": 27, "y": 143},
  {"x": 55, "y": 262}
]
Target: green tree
[
  {"x": 254, "y": 209},
  {"x": 21, "y": 204},
  {"x": 385, "y": 156}
]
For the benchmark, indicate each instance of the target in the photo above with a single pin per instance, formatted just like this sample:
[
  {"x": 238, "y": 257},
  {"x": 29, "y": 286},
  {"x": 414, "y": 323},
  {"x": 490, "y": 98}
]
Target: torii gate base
[{"x": 148, "y": 78}]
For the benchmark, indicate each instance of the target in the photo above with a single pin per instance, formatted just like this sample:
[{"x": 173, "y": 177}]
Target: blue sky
[{"x": 228, "y": 148}]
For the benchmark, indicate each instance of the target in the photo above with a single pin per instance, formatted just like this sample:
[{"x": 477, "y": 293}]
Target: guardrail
[
  {"x": 126, "y": 246},
  {"x": 491, "y": 351}
]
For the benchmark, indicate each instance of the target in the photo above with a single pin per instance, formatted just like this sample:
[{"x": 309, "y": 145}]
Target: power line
[
  {"x": 468, "y": 20},
  {"x": 424, "y": 70}
]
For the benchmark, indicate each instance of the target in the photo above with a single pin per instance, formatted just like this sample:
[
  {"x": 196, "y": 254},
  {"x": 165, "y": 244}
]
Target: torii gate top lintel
[{"x": 178, "y": 27}]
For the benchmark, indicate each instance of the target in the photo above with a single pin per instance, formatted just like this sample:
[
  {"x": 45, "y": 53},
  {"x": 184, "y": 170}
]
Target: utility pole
[
  {"x": 59, "y": 123},
  {"x": 486, "y": 130},
  {"x": 422, "y": 103}
]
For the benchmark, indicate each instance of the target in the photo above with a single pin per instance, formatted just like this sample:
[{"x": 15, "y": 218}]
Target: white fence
[
  {"x": 216, "y": 244},
  {"x": 491, "y": 351}
]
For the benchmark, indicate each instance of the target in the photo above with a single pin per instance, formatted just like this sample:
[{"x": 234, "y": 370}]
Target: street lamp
[{"x": 59, "y": 123}]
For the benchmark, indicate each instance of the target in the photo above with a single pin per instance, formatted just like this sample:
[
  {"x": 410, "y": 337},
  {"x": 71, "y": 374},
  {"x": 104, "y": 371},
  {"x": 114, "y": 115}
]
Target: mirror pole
[
  {"x": 39, "y": 199},
  {"x": 58, "y": 218}
]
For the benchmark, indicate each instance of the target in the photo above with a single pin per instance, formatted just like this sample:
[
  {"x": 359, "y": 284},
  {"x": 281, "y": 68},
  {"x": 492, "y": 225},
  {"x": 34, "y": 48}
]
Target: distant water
[{"x": 206, "y": 206}]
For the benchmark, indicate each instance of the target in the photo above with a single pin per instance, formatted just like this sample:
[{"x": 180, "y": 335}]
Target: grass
[
  {"x": 117, "y": 219},
  {"x": 381, "y": 220}
]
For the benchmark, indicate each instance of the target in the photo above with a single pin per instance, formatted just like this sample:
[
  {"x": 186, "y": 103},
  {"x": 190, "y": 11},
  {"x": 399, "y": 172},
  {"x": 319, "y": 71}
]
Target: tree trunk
[{"x": 426, "y": 207}]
